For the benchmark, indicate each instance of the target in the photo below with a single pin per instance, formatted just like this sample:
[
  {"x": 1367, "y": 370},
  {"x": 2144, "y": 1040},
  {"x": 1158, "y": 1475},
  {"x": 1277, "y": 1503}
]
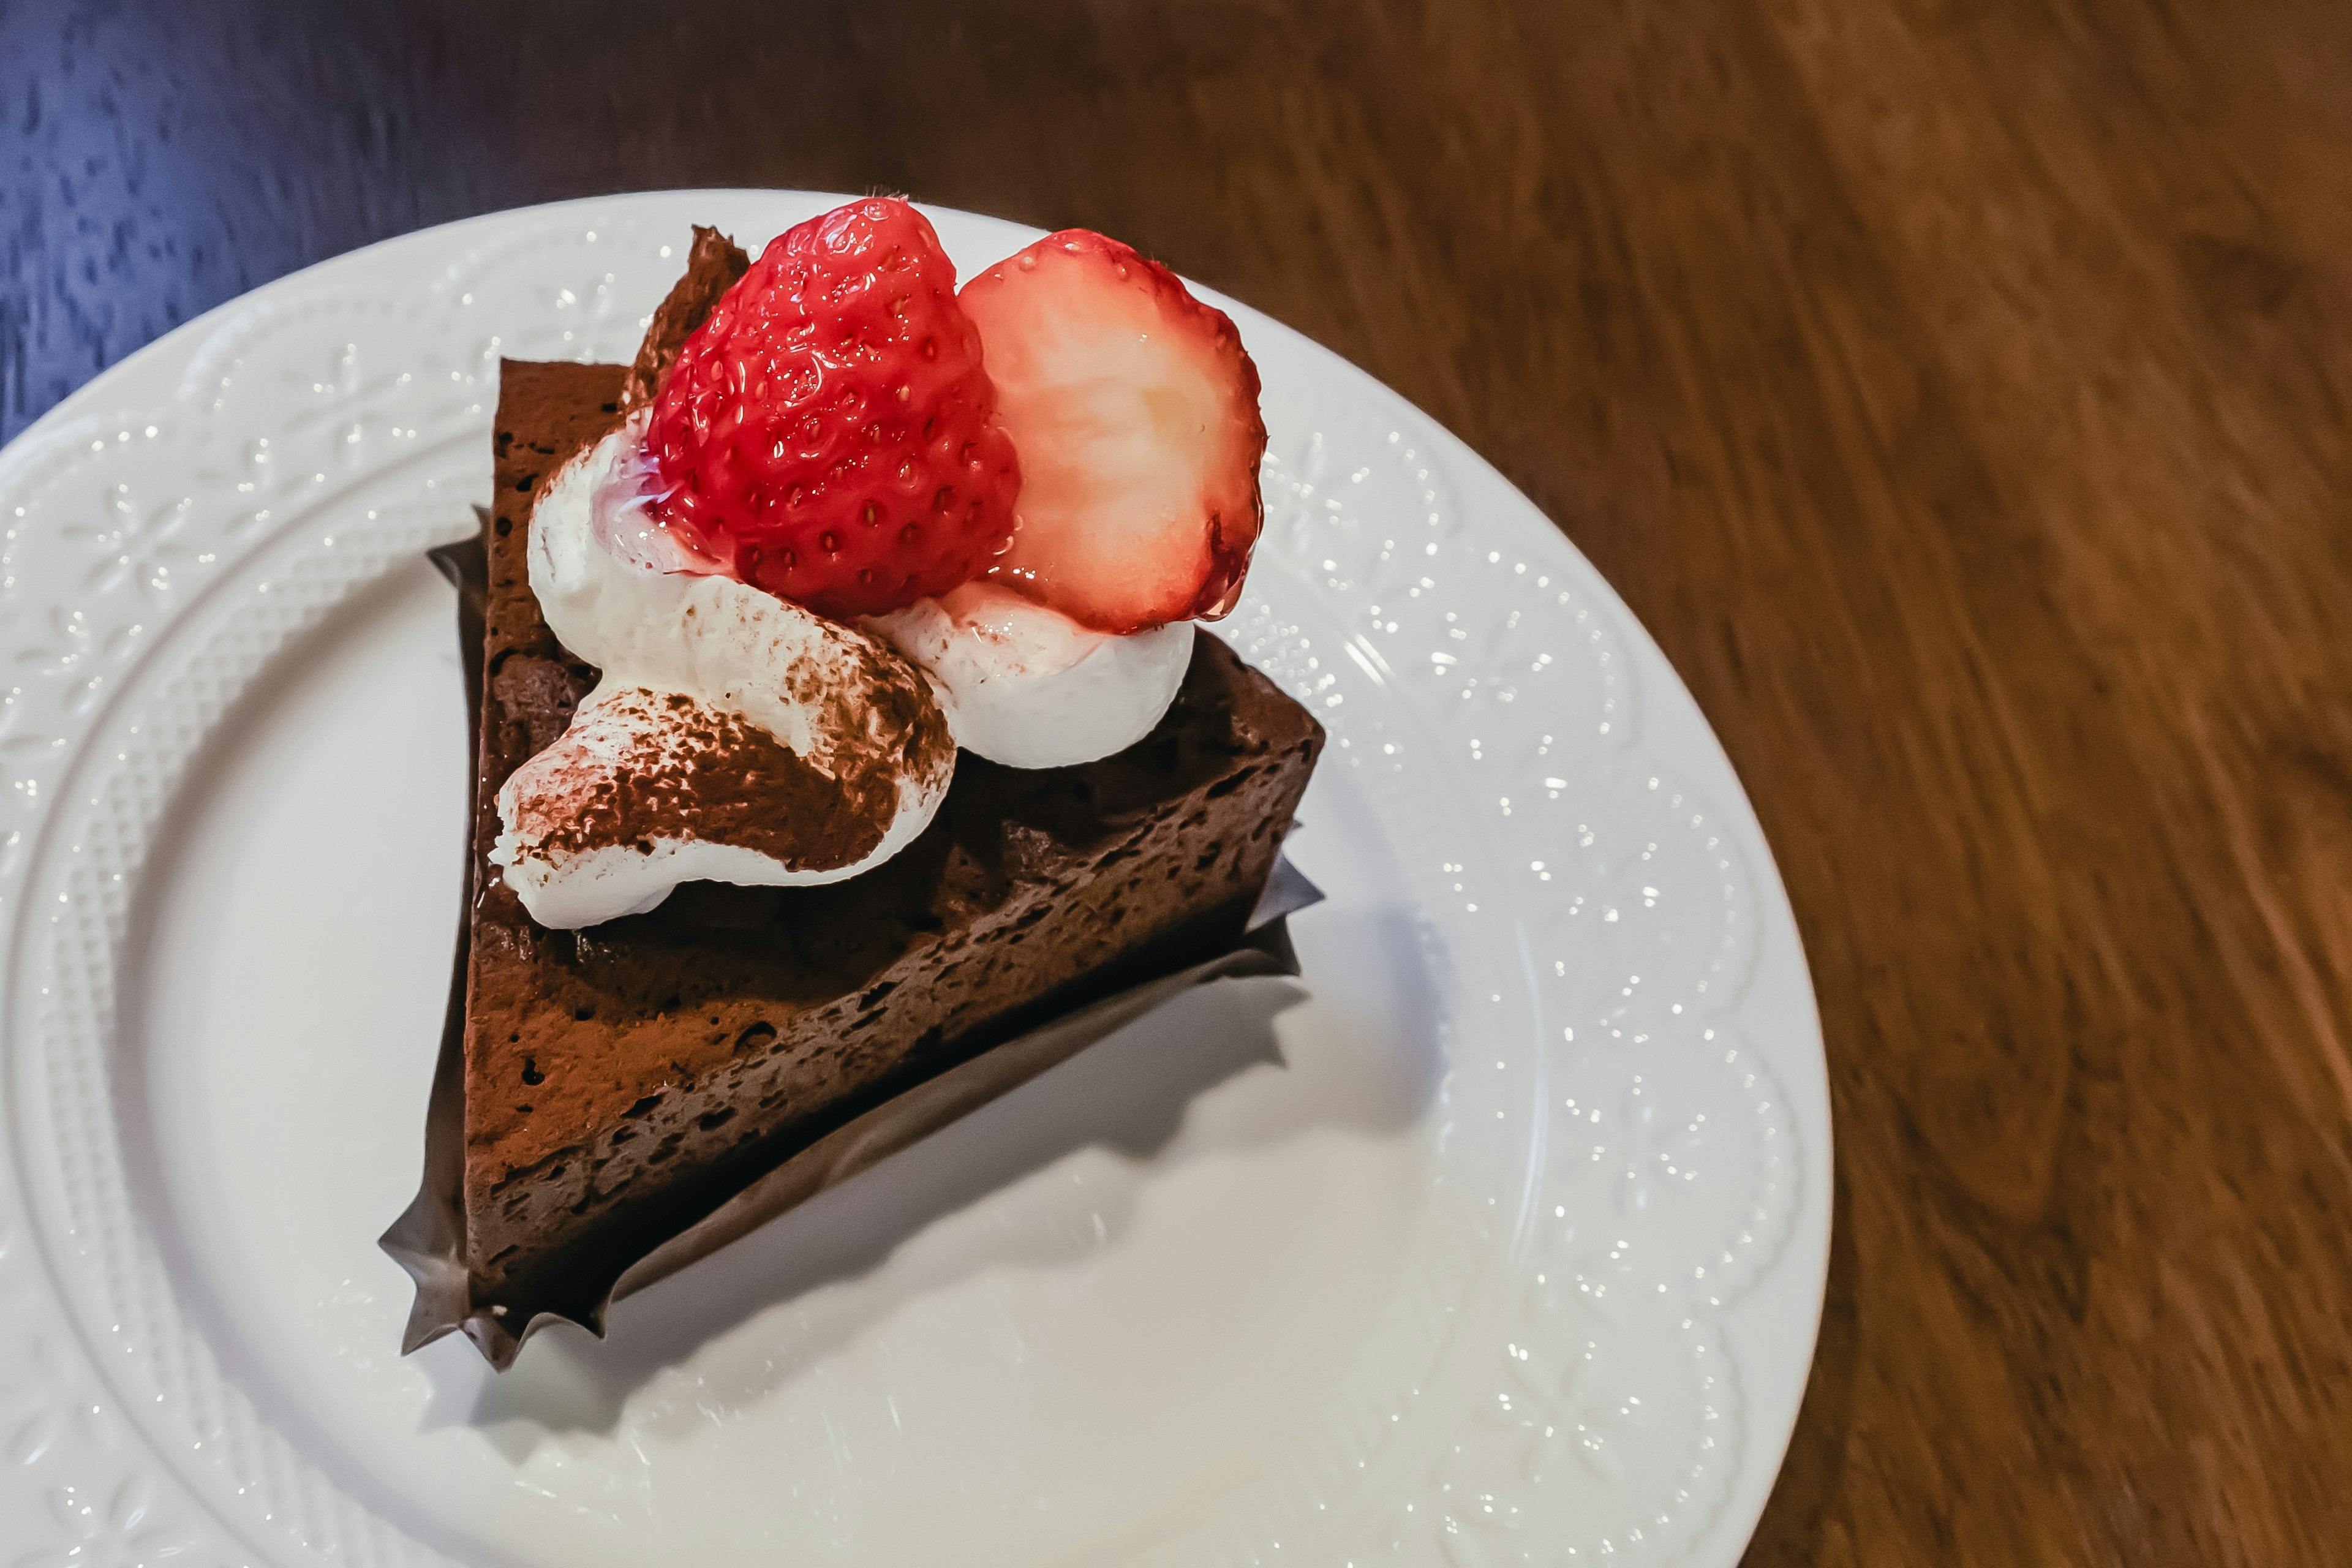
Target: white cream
[
  {"x": 1029, "y": 686},
  {"x": 1016, "y": 683},
  {"x": 821, "y": 690}
]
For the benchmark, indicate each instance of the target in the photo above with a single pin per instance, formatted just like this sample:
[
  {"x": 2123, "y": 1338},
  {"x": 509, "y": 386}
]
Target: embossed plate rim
[{"x": 1466, "y": 1519}]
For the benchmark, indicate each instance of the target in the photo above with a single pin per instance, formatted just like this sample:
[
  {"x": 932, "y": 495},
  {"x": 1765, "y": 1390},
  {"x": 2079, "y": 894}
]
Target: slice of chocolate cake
[
  {"x": 621, "y": 1081},
  {"x": 616, "y": 1100}
]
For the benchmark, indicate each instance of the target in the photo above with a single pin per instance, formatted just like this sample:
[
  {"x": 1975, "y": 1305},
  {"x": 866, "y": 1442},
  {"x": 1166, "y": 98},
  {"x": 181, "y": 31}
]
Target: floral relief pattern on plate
[{"x": 288, "y": 452}]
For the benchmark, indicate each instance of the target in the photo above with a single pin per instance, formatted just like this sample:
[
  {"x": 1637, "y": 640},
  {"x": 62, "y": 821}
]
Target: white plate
[{"x": 1500, "y": 1240}]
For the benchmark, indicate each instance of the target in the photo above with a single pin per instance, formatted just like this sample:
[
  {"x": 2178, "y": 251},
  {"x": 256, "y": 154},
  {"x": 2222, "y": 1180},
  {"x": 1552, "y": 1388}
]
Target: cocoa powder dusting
[
  {"x": 897, "y": 703},
  {"x": 691, "y": 772}
]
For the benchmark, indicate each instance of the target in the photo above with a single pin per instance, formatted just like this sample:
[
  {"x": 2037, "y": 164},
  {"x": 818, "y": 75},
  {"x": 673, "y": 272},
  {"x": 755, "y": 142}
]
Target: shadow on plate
[{"x": 1128, "y": 1094}]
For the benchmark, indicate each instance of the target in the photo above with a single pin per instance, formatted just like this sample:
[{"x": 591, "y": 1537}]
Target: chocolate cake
[{"x": 623, "y": 1080}]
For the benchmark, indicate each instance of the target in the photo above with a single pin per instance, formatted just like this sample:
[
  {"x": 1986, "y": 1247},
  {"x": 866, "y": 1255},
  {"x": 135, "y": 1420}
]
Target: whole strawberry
[{"x": 828, "y": 432}]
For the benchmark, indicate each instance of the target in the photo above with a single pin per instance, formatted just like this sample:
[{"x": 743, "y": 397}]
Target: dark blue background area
[
  {"x": 159, "y": 162},
  {"x": 158, "y": 159}
]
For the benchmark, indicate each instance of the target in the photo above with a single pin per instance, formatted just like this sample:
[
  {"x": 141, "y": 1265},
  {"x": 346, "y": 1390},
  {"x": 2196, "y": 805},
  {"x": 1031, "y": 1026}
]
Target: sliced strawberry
[
  {"x": 829, "y": 432},
  {"x": 1134, "y": 409}
]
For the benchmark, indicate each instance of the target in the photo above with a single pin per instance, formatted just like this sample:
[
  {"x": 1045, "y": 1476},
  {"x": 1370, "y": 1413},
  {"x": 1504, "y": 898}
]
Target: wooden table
[{"x": 1959, "y": 392}]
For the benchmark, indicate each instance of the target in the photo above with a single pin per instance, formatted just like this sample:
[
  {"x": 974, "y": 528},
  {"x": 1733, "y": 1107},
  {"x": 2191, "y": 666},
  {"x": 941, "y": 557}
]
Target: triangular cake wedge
[{"x": 623, "y": 1080}]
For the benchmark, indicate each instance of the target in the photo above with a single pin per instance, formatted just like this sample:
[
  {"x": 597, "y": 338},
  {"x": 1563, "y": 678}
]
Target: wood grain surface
[{"x": 1958, "y": 391}]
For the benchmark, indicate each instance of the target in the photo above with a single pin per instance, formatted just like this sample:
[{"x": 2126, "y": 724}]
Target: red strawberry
[
  {"x": 829, "y": 431},
  {"x": 1135, "y": 412}
]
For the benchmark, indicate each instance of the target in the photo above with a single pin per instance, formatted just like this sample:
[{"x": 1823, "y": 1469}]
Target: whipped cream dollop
[
  {"x": 737, "y": 737},
  {"x": 733, "y": 737},
  {"x": 1030, "y": 687}
]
